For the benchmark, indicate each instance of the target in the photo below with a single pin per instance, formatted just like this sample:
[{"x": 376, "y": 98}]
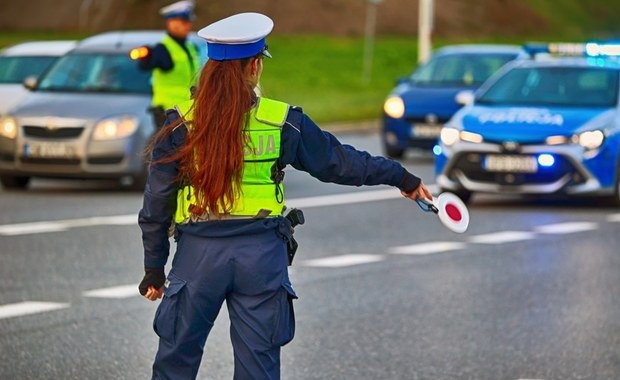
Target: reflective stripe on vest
[
  {"x": 173, "y": 86},
  {"x": 260, "y": 195}
]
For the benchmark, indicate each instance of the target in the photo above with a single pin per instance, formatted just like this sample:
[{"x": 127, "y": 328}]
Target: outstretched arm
[{"x": 308, "y": 148}]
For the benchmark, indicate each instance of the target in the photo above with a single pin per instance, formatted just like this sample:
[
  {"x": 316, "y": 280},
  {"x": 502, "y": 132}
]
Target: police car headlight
[
  {"x": 449, "y": 135},
  {"x": 591, "y": 139},
  {"x": 471, "y": 137},
  {"x": 394, "y": 107},
  {"x": 115, "y": 128},
  {"x": 8, "y": 127}
]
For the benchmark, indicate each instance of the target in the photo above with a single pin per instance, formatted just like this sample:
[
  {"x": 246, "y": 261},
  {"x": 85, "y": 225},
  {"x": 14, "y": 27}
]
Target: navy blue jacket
[{"x": 303, "y": 145}]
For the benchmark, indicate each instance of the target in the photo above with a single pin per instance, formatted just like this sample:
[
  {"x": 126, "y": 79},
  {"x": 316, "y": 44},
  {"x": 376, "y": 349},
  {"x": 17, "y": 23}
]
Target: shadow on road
[{"x": 536, "y": 202}]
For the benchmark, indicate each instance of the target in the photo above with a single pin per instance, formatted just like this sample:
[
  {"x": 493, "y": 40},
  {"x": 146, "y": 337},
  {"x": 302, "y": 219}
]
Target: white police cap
[
  {"x": 183, "y": 9},
  {"x": 238, "y": 36}
]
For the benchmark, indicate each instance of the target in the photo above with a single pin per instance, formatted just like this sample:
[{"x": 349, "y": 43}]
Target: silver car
[
  {"x": 27, "y": 59},
  {"x": 86, "y": 118}
]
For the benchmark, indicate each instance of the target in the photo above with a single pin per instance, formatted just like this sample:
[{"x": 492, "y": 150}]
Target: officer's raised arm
[{"x": 308, "y": 148}]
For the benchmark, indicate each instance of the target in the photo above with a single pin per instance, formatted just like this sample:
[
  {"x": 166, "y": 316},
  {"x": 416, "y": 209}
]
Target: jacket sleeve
[
  {"x": 158, "y": 58},
  {"x": 159, "y": 202},
  {"x": 308, "y": 148}
]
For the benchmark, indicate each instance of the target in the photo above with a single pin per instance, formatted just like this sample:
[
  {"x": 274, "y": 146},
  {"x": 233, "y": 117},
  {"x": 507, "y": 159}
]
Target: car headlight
[
  {"x": 394, "y": 107},
  {"x": 449, "y": 135},
  {"x": 556, "y": 140},
  {"x": 115, "y": 128},
  {"x": 8, "y": 127},
  {"x": 590, "y": 139},
  {"x": 471, "y": 137}
]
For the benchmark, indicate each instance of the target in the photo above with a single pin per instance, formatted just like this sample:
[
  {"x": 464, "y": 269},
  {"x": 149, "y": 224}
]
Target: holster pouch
[
  {"x": 295, "y": 217},
  {"x": 292, "y": 249}
]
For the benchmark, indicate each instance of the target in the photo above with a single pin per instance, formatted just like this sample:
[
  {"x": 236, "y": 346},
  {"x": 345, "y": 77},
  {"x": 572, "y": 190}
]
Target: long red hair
[{"x": 211, "y": 160}]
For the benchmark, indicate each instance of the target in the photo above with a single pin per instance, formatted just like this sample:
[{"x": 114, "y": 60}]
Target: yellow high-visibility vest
[
  {"x": 259, "y": 195},
  {"x": 173, "y": 87}
]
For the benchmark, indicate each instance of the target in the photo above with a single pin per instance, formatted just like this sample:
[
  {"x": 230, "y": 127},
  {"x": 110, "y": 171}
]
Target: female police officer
[{"x": 216, "y": 173}]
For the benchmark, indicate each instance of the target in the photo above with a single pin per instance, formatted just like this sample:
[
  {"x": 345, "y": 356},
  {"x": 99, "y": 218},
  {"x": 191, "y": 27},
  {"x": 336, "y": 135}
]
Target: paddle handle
[{"x": 431, "y": 206}]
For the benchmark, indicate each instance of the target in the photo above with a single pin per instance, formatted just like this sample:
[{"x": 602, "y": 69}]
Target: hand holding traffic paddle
[{"x": 450, "y": 209}]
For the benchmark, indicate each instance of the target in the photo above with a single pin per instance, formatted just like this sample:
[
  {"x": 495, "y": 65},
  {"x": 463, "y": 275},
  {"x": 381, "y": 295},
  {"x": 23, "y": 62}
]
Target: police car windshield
[
  {"x": 15, "y": 69},
  {"x": 96, "y": 72},
  {"x": 462, "y": 70},
  {"x": 555, "y": 86}
]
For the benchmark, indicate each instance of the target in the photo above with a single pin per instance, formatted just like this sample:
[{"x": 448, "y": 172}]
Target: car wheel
[
  {"x": 135, "y": 182},
  {"x": 392, "y": 152},
  {"x": 14, "y": 182},
  {"x": 139, "y": 182},
  {"x": 465, "y": 195}
]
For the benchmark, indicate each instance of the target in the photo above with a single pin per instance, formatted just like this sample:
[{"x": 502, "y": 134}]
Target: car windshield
[
  {"x": 14, "y": 69},
  {"x": 96, "y": 72},
  {"x": 470, "y": 69},
  {"x": 555, "y": 86}
]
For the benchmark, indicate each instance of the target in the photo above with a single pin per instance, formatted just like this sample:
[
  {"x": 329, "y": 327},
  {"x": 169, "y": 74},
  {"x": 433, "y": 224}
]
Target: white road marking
[
  {"x": 132, "y": 219},
  {"x": 502, "y": 237},
  {"x": 63, "y": 225},
  {"x": 566, "y": 228},
  {"x": 117, "y": 292},
  {"x": 613, "y": 218},
  {"x": 29, "y": 307},
  {"x": 427, "y": 248},
  {"x": 31, "y": 228},
  {"x": 342, "y": 261},
  {"x": 114, "y": 220}
]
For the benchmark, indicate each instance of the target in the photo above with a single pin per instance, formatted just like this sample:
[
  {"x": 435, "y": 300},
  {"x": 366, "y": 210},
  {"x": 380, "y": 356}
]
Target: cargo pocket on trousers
[
  {"x": 166, "y": 316},
  {"x": 284, "y": 329}
]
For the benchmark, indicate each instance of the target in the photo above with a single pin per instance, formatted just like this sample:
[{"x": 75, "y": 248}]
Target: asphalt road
[{"x": 530, "y": 291}]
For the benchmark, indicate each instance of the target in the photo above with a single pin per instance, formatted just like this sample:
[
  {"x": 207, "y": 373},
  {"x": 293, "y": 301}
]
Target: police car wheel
[
  {"x": 465, "y": 195},
  {"x": 14, "y": 182},
  {"x": 393, "y": 152}
]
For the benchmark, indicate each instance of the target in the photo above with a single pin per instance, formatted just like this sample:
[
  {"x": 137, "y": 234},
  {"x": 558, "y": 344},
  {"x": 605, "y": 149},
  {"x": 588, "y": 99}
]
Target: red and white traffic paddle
[{"x": 450, "y": 209}]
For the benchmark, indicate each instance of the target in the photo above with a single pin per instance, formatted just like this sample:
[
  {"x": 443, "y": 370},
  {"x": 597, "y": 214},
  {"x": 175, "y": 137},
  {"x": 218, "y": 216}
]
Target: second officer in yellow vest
[
  {"x": 175, "y": 61},
  {"x": 216, "y": 171}
]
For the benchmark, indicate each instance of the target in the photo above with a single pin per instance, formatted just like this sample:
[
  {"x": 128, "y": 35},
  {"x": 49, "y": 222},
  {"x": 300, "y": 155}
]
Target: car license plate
[
  {"x": 511, "y": 164},
  {"x": 426, "y": 130},
  {"x": 49, "y": 150}
]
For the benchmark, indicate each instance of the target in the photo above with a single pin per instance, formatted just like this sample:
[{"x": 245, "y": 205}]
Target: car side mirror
[
  {"x": 31, "y": 83},
  {"x": 401, "y": 80},
  {"x": 465, "y": 98}
]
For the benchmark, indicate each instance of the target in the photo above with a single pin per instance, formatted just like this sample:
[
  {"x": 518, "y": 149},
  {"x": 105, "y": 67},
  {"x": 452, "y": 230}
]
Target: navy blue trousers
[{"x": 250, "y": 272}]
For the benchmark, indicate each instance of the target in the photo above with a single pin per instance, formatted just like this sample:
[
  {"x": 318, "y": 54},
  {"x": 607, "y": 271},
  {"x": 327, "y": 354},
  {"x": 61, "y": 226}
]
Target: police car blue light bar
[
  {"x": 594, "y": 49},
  {"x": 567, "y": 48},
  {"x": 576, "y": 49}
]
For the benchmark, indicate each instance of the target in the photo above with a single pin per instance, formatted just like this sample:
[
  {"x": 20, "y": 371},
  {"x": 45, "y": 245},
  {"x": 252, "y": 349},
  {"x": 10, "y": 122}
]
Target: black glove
[{"x": 154, "y": 277}]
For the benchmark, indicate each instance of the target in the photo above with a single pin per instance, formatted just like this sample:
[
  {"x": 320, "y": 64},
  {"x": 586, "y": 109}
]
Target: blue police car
[
  {"x": 549, "y": 125},
  {"x": 419, "y": 105}
]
